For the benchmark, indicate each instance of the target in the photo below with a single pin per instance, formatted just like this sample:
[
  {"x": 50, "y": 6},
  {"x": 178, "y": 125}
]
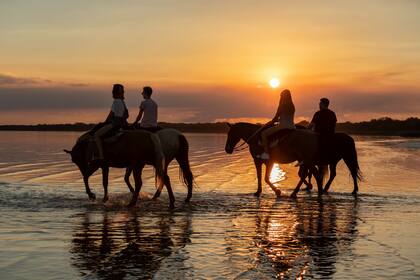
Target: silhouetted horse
[
  {"x": 132, "y": 149},
  {"x": 174, "y": 146},
  {"x": 305, "y": 150},
  {"x": 301, "y": 145},
  {"x": 343, "y": 148}
]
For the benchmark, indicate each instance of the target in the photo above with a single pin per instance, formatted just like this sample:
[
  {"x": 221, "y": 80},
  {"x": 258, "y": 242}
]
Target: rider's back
[{"x": 325, "y": 121}]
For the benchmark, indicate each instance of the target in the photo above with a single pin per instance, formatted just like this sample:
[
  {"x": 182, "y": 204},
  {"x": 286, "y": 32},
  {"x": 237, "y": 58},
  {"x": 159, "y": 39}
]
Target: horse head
[
  {"x": 78, "y": 155},
  {"x": 232, "y": 139}
]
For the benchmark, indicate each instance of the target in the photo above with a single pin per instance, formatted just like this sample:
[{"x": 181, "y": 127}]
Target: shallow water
[{"x": 50, "y": 230}]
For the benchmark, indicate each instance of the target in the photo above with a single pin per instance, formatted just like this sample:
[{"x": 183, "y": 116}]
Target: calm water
[{"x": 49, "y": 229}]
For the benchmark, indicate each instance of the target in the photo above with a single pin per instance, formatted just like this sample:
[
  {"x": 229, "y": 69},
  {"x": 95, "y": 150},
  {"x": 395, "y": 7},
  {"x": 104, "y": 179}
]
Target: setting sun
[{"x": 274, "y": 82}]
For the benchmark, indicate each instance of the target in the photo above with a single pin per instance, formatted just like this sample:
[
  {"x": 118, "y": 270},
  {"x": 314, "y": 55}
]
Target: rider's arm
[
  {"x": 312, "y": 124},
  {"x": 138, "y": 116},
  {"x": 276, "y": 117}
]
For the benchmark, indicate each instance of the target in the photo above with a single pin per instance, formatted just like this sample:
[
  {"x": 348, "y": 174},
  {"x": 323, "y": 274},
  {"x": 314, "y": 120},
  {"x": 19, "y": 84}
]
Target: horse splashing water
[
  {"x": 301, "y": 145},
  {"x": 131, "y": 149},
  {"x": 174, "y": 146}
]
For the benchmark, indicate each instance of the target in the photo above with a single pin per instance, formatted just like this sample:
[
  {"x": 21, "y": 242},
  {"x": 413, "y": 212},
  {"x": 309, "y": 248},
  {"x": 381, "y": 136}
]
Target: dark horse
[
  {"x": 174, "y": 146},
  {"x": 132, "y": 149},
  {"x": 343, "y": 149},
  {"x": 300, "y": 145}
]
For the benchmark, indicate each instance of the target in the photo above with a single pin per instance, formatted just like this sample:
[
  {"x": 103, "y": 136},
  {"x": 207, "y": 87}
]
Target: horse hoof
[
  {"x": 278, "y": 194},
  {"x": 354, "y": 193},
  {"x": 92, "y": 196},
  {"x": 325, "y": 191},
  {"x": 293, "y": 196},
  {"x": 171, "y": 206},
  {"x": 187, "y": 200},
  {"x": 105, "y": 199},
  {"x": 257, "y": 194},
  {"x": 131, "y": 205}
]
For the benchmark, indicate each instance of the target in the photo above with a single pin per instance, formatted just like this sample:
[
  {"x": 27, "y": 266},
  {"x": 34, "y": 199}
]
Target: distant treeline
[{"x": 382, "y": 126}]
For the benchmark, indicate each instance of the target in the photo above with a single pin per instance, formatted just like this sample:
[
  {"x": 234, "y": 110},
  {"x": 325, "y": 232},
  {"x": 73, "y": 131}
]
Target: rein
[{"x": 238, "y": 148}]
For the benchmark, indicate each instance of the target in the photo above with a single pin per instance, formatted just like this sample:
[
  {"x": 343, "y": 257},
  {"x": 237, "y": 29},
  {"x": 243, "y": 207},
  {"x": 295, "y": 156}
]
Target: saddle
[
  {"x": 278, "y": 137},
  {"x": 114, "y": 137},
  {"x": 150, "y": 129}
]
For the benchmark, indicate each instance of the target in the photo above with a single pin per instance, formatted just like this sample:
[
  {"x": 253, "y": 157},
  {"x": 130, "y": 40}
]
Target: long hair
[{"x": 286, "y": 104}]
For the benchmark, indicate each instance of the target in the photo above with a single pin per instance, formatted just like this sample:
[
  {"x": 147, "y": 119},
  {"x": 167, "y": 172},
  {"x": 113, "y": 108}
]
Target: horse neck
[{"x": 247, "y": 130}]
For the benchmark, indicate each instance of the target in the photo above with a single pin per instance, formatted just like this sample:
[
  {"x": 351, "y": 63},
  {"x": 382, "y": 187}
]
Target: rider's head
[
  {"x": 324, "y": 103},
  {"x": 147, "y": 92},
  {"x": 118, "y": 91},
  {"x": 286, "y": 103}
]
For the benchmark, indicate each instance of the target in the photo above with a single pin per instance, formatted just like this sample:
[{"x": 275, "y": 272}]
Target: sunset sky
[{"x": 208, "y": 60}]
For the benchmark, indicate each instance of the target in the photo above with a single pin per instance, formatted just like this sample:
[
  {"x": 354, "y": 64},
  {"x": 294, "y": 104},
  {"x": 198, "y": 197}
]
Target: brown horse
[
  {"x": 131, "y": 149},
  {"x": 301, "y": 146}
]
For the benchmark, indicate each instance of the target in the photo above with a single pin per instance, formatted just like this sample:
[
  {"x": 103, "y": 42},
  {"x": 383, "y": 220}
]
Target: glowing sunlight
[
  {"x": 277, "y": 175},
  {"x": 274, "y": 82}
]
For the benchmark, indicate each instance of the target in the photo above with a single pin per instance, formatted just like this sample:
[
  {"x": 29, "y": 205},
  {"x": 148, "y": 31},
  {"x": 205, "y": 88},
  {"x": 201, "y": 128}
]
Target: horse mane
[
  {"x": 247, "y": 126},
  {"x": 83, "y": 137}
]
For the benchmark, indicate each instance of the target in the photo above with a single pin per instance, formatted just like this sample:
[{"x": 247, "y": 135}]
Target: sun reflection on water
[{"x": 277, "y": 174}]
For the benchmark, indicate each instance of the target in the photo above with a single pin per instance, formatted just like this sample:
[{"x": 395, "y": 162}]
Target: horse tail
[
  {"x": 350, "y": 158},
  {"x": 159, "y": 159},
  {"x": 185, "y": 173}
]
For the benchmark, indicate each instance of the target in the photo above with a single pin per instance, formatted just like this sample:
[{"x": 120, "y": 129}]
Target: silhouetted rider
[
  {"x": 148, "y": 112},
  {"x": 117, "y": 118},
  {"x": 323, "y": 122}
]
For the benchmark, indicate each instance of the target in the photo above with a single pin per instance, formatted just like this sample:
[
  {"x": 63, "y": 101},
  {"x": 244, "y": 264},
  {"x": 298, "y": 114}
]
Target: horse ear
[{"x": 67, "y": 151}]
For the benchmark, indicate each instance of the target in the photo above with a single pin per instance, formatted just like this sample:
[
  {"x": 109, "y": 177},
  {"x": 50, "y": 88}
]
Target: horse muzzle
[{"x": 228, "y": 150}]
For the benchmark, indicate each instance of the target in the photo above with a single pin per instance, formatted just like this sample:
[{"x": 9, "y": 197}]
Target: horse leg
[
  {"x": 157, "y": 193},
  {"x": 308, "y": 183},
  {"x": 105, "y": 173},
  {"x": 138, "y": 183},
  {"x": 258, "y": 167},
  {"x": 91, "y": 195},
  {"x": 356, "y": 187},
  {"x": 167, "y": 182},
  {"x": 268, "y": 168},
  {"x": 190, "y": 187},
  {"x": 303, "y": 172},
  {"x": 333, "y": 173},
  {"x": 318, "y": 177},
  {"x": 127, "y": 179}
]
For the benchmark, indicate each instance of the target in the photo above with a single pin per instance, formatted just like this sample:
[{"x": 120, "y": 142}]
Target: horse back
[
  {"x": 170, "y": 141},
  {"x": 132, "y": 146},
  {"x": 297, "y": 145}
]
